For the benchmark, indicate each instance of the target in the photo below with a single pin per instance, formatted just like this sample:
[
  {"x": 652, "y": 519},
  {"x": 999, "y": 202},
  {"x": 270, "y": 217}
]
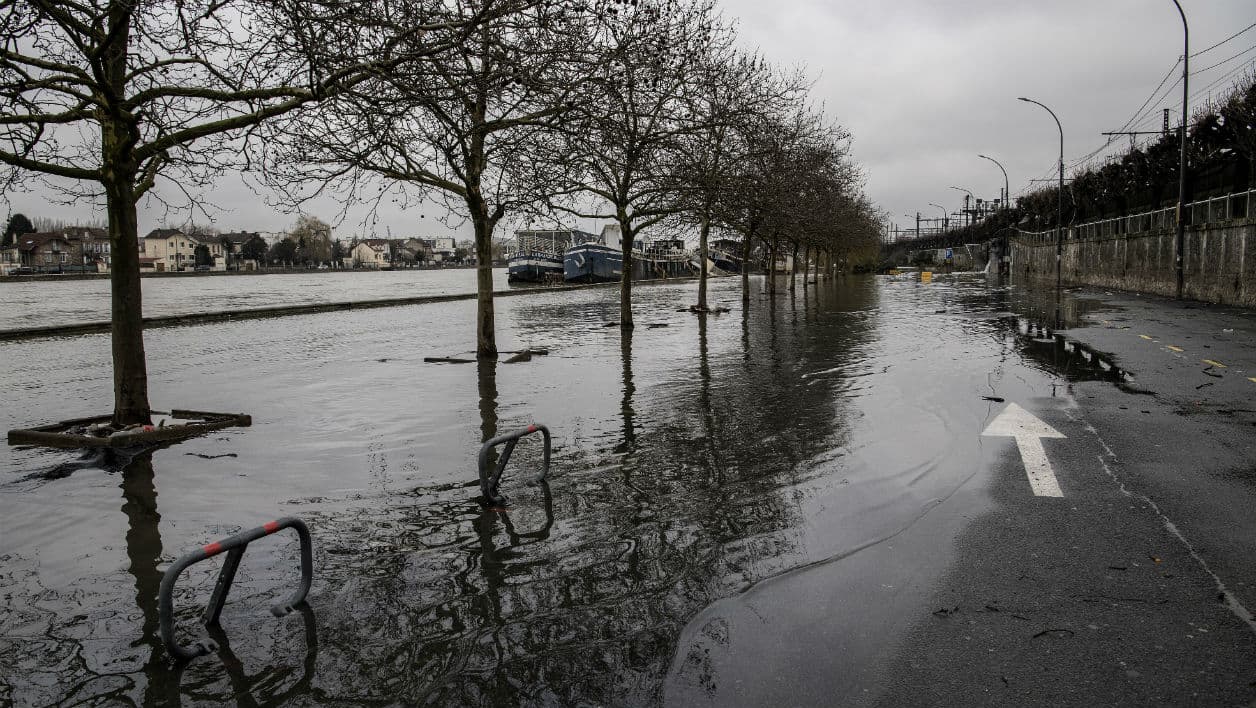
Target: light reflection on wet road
[{"x": 699, "y": 464}]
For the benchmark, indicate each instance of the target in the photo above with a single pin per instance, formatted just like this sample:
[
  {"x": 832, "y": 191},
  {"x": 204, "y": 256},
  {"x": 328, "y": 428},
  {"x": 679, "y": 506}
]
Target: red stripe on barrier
[
  {"x": 531, "y": 428},
  {"x": 271, "y": 526},
  {"x": 213, "y": 549}
]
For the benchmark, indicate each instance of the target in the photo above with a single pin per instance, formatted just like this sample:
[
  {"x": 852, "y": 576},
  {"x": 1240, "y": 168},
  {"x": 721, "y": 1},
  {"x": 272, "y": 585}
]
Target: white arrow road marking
[{"x": 1016, "y": 422}]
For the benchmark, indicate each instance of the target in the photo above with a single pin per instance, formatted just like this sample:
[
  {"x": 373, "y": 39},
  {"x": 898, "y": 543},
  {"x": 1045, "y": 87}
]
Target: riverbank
[
  {"x": 45, "y": 277},
  {"x": 290, "y": 310},
  {"x": 280, "y": 311}
]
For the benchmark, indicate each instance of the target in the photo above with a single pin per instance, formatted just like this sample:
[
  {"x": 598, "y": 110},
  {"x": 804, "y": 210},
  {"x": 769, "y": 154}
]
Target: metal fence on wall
[{"x": 1205, "y": 211}]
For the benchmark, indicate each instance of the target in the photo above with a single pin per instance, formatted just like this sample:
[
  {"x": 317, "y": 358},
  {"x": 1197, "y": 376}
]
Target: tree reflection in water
[
  {"x": 579, "y": 592},
  {"x": 692, "y": 507}
]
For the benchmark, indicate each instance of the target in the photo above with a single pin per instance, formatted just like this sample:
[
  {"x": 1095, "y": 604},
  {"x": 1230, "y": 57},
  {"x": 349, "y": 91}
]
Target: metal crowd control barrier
[
  {"x": 488, "y": 483},
  {"x": 234, "y": 546}
]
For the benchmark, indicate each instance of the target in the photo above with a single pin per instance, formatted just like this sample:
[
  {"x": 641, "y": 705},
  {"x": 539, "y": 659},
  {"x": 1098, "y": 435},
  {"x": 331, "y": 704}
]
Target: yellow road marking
[
  {"x": 1217, "y": 364},
  {"x": 1173, "y": 348},
  {"x": 1145, "y": 337}
]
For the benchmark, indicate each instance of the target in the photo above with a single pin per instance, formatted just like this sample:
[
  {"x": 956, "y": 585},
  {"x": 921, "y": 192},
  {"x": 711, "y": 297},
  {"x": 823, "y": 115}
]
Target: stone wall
[{"x": 1220, "y": 262}]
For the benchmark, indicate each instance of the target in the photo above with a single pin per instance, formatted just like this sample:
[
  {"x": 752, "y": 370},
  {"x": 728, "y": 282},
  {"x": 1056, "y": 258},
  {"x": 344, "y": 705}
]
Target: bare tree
[
  {"x": 624, "y": 143},
  {"x": 104, "y": 99},
  {"x": 468, "y": 128},
  {"x": 730, "y": 94},
  {"x": 762, "y": 202}
]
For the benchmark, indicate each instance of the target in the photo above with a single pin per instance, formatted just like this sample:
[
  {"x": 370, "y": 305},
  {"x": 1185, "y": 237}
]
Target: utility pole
[{"x": 1181, "y": 207}]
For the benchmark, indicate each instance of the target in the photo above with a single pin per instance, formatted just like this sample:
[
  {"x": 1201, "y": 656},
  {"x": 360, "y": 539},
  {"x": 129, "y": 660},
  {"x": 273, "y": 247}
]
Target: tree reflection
[
  {"x": 628, "y": 442},
  {"x": 579, "y": 593}
]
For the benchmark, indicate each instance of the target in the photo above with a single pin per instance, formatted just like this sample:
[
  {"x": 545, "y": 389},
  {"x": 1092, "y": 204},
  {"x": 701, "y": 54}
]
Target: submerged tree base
[{"x": 100, "y": 432}]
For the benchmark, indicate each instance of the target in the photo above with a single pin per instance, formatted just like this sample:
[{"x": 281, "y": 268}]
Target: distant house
[
  {"x": 89, "y": 246},
  {"x": 10, "y": 260},
  {"x": 442, "y": 249},
  {"x": 77, "y": 249},
  {"x": 418, "y": 249},
  {"x": 172, "y": 250},
  {"x": 160, "y": 250},
  {"x": 372, "y": 253},
  {"x": 40, "y": 252},
  {"x": 237, "y": 239}
]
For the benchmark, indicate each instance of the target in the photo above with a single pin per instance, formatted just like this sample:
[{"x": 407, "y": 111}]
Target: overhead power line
[
  {"x": 1225, "y": 61},
  {"x": 1227, "y": 39},
  {"x": 1154, "y": 91}
]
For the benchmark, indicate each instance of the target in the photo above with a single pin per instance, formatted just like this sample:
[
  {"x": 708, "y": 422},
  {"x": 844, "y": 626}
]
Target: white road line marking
[{"x": 1016, "y": 422}]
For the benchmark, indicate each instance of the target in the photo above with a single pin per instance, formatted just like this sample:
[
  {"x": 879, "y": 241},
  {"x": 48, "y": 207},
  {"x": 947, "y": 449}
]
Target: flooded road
[{"x": 707, "y": 471}]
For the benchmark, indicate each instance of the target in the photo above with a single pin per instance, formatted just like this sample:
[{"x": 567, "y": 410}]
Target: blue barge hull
[{"x": 592, "y": 263}]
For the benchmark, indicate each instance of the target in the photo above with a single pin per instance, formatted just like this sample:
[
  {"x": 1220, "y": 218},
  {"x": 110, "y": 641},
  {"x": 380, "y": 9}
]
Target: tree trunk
[
  {"x": 806, "y": 266},
  {"x": 625, "y": 280},
  {"x": 703, "y": 254},
  {"x": 119, "y": 170},
  {"x": 130, "y": 370},
  {"x": 485, "y": 332}
]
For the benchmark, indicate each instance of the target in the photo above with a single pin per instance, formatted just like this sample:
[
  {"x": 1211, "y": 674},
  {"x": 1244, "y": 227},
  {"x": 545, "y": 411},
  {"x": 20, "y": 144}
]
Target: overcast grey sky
[{"x": 924, "y": 87}]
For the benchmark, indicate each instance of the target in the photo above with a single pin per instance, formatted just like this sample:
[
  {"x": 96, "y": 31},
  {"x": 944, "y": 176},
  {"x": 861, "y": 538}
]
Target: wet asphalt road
[
  {"x": 792, "y": 504},
  {"x": 1134, "y": 588}
]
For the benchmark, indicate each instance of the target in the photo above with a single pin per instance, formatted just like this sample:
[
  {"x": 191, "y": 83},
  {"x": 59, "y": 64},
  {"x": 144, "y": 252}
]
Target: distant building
[
  {"x": 80, "y": 249},
  {"x": 89, "y": 247},
  {"x": 442, "y": 249},
  {"x": 234, "y": 259},
  {"x": 10, "y": 260},
  {"x": 418, "y": 249},
  {"x": 372, "y": 253},
  {"x": 39, "y": 252},
  {"x": 170, "y": 250}
]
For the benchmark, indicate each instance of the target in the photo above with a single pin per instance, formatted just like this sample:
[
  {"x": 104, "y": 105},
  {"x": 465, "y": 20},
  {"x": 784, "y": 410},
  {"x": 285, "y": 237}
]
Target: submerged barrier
[
  {"x": 234, "y": 546},
  {"x": 489, "y": 482}
]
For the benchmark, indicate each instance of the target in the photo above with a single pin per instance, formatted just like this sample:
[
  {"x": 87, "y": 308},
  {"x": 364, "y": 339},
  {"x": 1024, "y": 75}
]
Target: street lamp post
[
  {"x": 968, "y": 194},
  {"x": 1007, "y": 193},
  {"x": 1181, "y": 208},
  {"x": 1059, "y": 204},
  {"x": 945, "y": 222}
]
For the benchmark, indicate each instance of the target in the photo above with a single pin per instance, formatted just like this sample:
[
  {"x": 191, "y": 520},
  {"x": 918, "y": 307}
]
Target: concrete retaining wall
[{"x": 1220, "y": 261}]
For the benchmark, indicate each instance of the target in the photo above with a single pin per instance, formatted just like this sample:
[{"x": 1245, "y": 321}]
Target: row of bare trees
[{"x": 641, "y": 111}]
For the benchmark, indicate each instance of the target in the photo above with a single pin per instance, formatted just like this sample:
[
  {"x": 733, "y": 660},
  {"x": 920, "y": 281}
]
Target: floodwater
[
  {"x": 698, "y": 462},
  {"x": 52, "y": 302}
]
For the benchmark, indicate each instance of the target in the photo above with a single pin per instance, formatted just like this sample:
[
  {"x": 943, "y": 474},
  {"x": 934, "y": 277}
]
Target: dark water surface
[{"x": 697, "y": 466}]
